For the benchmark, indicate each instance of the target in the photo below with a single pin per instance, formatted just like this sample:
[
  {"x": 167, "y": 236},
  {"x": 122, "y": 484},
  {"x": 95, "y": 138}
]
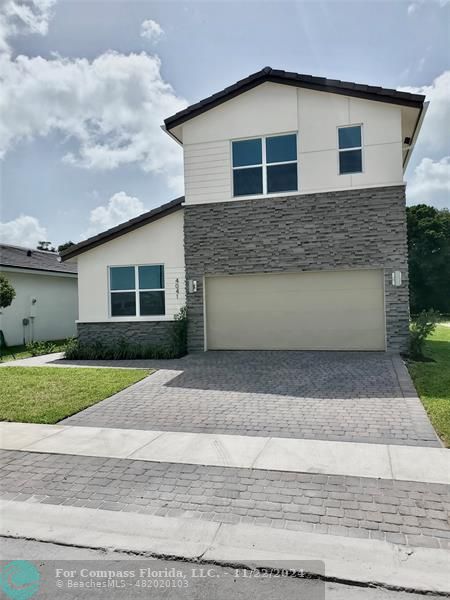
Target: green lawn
[
  {"x": 18, "y": 352},
  {"x": 432, "y": 380},
  {"x": 48, "y": 394}
]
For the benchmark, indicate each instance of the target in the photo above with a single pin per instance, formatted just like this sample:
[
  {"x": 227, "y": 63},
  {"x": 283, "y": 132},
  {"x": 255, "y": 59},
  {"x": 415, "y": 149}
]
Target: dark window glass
[
  {"x": 247, "y": 152},
  {"x": 247, "y": 181},
  {"x": 282, "y": 178},
  {"x": 122, "y": 278},
  {"x": 152, "y": 303},
  {"x": 123, "y": 304},
  {"x": 281, "y": 148},
  {"x": 151, "y": 277},
  {"x": 350, "y": 162},
  {"x": 349, "y": 137}
]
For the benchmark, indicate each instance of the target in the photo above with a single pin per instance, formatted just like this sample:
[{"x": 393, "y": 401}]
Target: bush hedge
[{"x": 38, "y": 348}]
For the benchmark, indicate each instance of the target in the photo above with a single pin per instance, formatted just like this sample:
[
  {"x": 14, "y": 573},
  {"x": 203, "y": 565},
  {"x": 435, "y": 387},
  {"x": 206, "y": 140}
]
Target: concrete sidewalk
[
  {"x": 405, "y": 463},
  {"x": 56, "y": 359}
]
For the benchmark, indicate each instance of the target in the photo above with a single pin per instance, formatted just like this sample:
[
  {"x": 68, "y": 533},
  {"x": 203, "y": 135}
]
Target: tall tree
[
  {"x": 45, "y": 246},
  {"x": 429, "y": 258},
  {"x": 64, "y": 246},
  {"x": 7, "y": 292}
]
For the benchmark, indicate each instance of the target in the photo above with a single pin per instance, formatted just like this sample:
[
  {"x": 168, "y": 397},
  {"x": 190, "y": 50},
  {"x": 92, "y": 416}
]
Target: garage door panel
[{"x": 318, "y": 311}]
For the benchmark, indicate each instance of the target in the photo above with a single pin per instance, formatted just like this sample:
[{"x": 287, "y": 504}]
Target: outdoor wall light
[
  {"x": 396, "y": 278},
  {"x": 192, "y": 286}
]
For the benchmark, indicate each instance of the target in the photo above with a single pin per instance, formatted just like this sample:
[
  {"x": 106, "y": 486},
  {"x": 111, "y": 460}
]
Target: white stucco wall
[
  {"x": 273, "y": 108},
  {"x": 160, "y": 242},
  {"x": 56, "y": 307}
]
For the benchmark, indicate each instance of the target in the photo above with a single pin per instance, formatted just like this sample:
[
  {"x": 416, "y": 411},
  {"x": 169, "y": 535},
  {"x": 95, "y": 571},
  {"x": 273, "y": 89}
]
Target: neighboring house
[
  {"x": 293, "y": 222},
  {"x": 46, "y": 303}
]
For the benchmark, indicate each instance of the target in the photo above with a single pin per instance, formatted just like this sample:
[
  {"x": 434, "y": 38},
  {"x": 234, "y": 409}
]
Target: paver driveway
[{"x": 348, "y": 396}]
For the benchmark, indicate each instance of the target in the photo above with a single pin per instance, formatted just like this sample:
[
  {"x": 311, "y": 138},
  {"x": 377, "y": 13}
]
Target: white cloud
[
  {"x": 119, "y": 208},
  {"x": 175, "y": 183},
  {"x": 23, "y": 231},
  {"x": 430, "y": 183},
  {"x": 151, "y": 30},
  {"x": 414, "y": 6},
  {"x": 22, "y": 17},
  {"x": 112, "y": 107},
  {"x": 433, "y": 137}
]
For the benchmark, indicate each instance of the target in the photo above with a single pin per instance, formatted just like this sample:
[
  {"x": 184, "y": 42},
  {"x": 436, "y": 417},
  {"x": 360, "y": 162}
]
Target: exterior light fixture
[{"x": 397, "y": 278}]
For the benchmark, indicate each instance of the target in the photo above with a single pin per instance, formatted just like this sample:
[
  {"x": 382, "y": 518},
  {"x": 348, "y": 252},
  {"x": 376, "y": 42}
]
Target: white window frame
[
  {"x": 264, "y": 164},
  {"x": 360, "y": 125},
  {"x": 136, "y": 291}
]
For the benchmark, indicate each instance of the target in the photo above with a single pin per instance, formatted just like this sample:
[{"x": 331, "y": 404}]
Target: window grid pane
[
  {"x": 349, "y": 137},
  {"x": 122, "y": 278},
  {"x": 152, "y": 303},
  {"x": 151, "y": 277},
  {"x": 281, "y": 148},
  {"x": 282, "y": 178},
  {"x": 123, "y": 304},
  {"x": 247, "y": 153},
  {"x": 247, "y": 182},
  {"x": 350, "y": 161}
]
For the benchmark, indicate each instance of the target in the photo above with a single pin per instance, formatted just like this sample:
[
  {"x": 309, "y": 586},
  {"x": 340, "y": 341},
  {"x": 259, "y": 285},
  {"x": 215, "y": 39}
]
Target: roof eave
[
  {"x": 40, "y": 270},
  {"x": 420, "y": 118}
]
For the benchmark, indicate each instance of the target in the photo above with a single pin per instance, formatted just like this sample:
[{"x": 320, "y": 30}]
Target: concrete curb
[
  {"x": 406, "y": 463},
  {"x": 366, "y": 562},
  {"x": 90, "y": 528},
  {"x": 370, "y": 562}
]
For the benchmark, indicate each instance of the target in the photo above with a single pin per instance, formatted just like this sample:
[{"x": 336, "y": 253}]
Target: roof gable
[
  {"x": 323, "y": 84},
  {"x": 123, "y": 228}
]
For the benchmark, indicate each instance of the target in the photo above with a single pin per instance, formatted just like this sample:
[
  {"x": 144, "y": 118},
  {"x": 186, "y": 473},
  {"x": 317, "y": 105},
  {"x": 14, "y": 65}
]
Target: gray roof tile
[{"x": 33, "y": 260}]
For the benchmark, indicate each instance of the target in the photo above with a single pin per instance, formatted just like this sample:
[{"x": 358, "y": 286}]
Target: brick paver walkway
[
  {"x": 346, "y": 396},
  {"x": 398, "y": 511}
]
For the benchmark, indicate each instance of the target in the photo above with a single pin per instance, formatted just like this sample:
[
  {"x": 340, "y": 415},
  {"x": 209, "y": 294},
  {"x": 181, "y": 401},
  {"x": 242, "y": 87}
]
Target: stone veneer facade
[
  {"x": 156, "y": 333},
  {"x": 331, "y": 230}
]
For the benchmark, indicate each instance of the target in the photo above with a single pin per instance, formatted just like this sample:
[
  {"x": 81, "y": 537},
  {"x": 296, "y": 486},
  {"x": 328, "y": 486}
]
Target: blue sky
[{"x": 85, "y": 86}]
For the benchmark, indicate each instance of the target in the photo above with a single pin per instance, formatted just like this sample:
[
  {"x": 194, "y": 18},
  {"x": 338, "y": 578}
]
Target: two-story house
[{"x": 291, "y": 233}]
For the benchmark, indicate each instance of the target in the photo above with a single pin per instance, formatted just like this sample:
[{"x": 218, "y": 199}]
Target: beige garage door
[{"x": 333, "y": 310}]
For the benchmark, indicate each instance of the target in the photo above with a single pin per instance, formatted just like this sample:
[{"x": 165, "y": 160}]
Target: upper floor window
[
  {"x": 265, "y": 165},
  {"x": 350, "y": 149},
  {"x": 137, "y": 291}
]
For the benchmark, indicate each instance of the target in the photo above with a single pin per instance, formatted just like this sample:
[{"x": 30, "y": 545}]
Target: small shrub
[
  {"x": 38, "y": 348},
  {"x": 178, "y": 336},
  {"x": 420, "y": 328}
]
